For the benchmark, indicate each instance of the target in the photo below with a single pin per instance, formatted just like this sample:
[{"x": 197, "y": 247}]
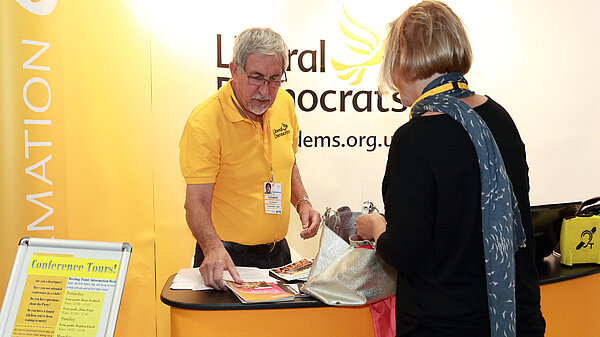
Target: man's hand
[
  {"x": 370, "y": 226},
  {"x": 310, "y": 218},
  {"x": 216, "y": 259},
  {"x": 215, "y": 262}
]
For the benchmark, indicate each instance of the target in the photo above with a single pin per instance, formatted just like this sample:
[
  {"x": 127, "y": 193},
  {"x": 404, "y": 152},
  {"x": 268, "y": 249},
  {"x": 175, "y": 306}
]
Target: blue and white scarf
[{"x": 501, "y": 220}]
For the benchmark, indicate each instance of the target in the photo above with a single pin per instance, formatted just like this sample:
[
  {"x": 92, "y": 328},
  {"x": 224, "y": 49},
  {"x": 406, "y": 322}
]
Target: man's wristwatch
[{"x": 304, "y": 198}]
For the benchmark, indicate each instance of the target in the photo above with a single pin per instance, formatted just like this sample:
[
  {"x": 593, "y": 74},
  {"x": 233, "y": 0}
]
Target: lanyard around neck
[
  {"x": 442, "y": 88},
  {"x": 267, "y": 156}
]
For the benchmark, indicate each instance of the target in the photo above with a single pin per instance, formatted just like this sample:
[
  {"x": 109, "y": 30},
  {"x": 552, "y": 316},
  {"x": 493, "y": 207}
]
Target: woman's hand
[{"x": 370, "y": 226}]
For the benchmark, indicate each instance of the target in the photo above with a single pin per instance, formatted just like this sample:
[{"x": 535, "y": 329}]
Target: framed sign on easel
[{"x": 64, "y": 288}]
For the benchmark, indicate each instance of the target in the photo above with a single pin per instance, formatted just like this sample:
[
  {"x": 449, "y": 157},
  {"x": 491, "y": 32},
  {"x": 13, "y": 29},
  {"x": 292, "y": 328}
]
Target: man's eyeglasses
[{"x": 259, "y": 80}]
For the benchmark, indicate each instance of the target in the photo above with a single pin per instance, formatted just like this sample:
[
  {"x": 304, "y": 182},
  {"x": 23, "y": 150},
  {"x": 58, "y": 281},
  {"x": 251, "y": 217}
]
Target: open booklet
[
  {"x": 295, "y": 271},
  {"x": 257, "y": 292}
]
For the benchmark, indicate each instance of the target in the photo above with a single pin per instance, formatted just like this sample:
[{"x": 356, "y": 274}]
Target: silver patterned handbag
[{"x": 347, "y": 271}]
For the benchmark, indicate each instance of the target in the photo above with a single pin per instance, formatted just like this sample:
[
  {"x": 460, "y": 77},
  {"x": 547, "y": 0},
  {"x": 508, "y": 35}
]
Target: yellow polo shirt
[{"x": 220, "y": 146}]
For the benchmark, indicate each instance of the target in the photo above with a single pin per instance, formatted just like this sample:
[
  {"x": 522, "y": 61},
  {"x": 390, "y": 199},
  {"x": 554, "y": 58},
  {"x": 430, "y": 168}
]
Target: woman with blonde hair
[{"x": 457, "y": 223}]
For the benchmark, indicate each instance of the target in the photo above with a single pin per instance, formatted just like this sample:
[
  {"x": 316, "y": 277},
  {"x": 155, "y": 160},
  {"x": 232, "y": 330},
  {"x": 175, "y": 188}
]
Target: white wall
[{"x": 537, "y": 58}]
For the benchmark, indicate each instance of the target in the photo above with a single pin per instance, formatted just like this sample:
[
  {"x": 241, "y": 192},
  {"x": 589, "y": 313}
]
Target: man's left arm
[{"x": 310, "y": 218}]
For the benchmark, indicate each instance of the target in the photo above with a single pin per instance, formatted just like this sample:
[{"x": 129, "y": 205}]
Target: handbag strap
[
  {"x": 369, "y": 208},
  {"x": 329, "y": 214}
]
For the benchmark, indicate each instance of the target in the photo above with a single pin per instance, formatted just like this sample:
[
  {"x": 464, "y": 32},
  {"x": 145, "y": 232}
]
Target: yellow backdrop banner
[
  {"x": 76, "y": 137},
  {"x": 33, "y": 195}
]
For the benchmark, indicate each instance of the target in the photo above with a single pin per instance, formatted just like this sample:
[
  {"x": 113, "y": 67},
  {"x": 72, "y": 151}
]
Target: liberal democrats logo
[
  {"x": 282, "y": 131},
  {"x": 370, "y": 45},
  {"x": 38, "y": 7}
]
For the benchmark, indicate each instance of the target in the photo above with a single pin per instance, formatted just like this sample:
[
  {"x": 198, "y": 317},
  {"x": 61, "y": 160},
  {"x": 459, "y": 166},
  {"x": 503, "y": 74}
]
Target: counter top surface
[
  {"x": 549, "y": 271},
  {"x": 224, "y": 300}
]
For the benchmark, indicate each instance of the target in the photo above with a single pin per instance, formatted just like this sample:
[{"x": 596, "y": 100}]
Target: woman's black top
[{"x": 431, "y": 192}]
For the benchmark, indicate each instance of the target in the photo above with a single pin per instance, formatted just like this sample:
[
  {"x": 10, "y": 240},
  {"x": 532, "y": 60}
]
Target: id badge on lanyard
[
  {"x": 272, "y": 192},
  {"x": 271, "y": 189}
]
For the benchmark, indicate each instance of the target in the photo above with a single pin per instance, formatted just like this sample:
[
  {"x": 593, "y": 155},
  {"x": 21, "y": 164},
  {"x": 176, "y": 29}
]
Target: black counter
[
  {"x": 549, "y": 270},
  {"x": 224, "y": 300}
]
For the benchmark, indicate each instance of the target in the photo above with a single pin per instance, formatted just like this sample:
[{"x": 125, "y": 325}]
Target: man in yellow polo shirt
[{"x": 237, "y": 155}]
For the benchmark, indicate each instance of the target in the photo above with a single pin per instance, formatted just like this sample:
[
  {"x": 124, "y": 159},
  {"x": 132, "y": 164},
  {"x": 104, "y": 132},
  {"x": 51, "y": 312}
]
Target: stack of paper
[{"x": 190, "y": 278}]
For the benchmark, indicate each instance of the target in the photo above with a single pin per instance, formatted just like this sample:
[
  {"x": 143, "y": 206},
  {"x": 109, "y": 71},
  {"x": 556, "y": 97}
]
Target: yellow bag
[{"x": 580, "y": 237}]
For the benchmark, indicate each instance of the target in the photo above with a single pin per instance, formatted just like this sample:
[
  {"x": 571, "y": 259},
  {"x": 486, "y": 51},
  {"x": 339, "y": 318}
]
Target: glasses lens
[
  {"x": 260, "y": 81},
  {"x": 255, "y": 80},
  {"x": 275, "y": 83}
]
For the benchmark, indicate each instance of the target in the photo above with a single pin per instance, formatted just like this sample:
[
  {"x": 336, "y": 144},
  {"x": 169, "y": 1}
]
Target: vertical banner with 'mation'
[{"x": 32, "y": 147}]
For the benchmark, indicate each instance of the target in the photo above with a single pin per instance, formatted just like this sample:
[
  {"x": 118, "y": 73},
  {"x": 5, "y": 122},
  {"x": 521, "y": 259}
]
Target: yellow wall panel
[
  {"x": 109, "y": 144},
  {"x": 32, "y": 123},
  {"x": 174, "y": 242}
]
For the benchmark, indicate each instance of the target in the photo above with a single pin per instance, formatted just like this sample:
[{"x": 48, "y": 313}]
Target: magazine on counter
[
  {"x": 295, "y": 271},
  {"x": 257, "y": 292}
]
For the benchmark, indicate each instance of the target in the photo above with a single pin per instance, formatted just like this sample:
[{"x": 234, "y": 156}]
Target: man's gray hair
[{"x": 262, "y": 41}]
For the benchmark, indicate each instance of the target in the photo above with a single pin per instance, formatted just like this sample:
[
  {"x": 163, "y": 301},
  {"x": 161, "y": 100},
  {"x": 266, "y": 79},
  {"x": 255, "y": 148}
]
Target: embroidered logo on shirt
[{"x": 282, "y": 131}]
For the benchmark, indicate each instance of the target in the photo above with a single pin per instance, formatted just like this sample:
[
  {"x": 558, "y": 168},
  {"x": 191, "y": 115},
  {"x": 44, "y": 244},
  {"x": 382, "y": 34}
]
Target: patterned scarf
[{"x": 501, "y": 220}]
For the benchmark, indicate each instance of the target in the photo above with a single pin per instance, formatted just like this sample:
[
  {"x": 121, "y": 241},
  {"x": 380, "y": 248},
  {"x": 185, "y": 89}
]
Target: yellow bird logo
[{"x": 373, "y": 50}]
